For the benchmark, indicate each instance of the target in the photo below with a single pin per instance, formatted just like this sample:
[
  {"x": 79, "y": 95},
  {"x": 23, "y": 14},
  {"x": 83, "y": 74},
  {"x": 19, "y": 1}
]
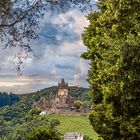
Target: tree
[
  {"x": 54, "y": 123},
  {"x": 34, "y": 112},
  {"x": 113, "y": 42},
  {"x": 19, "y": 19},
  {"x": 2, "y": 126},
  {"x": 78, "y": 104},
  {"x": 87, "y": 137},
  {"x": 44, "y": 134},
  {"x": 34, "y": 127},
  {"x": 19, "y": 22},
  {"x": 86, "y": 104},
  {"x": 8, "y": 99}
]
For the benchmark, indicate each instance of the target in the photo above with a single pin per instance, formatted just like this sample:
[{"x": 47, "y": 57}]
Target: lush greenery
[
  {"x": 44, "y": 134},
  {"x": 113, "y": 41},
  {"x": 74, "y": 124},
  {"x": 30, "y": 126},
  {"x": 21, "y": 108},
  {"x": 76, "y": 93},
  {"x": 20, "y": 121},
  {"x": 78, "y": 104},
  {"x": 8, "y": 99}
]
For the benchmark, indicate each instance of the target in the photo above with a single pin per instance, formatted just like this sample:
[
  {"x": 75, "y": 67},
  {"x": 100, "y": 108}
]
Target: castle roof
[
  {"x": 62, "y": 81},
  {"x": 63, "y": 84}
]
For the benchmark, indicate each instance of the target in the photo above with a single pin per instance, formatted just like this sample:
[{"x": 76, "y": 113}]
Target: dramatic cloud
[{"x": 58, "y": 51}]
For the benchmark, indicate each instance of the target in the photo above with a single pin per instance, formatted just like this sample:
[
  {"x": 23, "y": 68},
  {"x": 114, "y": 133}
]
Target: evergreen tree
[
  {"x": 8, "y": 99},
  {"x": 113, "y": 42}
]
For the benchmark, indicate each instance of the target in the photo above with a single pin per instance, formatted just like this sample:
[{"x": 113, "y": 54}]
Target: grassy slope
[{"x": 74, "y": 124}]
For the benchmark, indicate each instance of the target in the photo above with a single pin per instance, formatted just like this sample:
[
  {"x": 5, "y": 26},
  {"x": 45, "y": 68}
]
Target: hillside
[
  {"x": 21, "y": 114},
  {"x": 74, "y": 92},
  {"x": 19, "y": 109},
  {"x": 74, "y": 124}
]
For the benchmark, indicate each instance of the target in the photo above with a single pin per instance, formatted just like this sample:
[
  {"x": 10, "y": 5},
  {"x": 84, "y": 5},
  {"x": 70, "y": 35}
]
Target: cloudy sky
[{"x": 58, "y": 51}]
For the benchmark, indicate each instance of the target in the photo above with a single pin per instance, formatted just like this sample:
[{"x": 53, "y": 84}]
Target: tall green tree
[{"x": 113, "y": 48}]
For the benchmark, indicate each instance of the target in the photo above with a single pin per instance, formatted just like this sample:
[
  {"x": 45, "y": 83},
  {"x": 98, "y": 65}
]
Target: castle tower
[{"x": 63, "y": 91}]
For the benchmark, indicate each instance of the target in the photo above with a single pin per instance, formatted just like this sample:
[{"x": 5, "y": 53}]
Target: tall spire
[
  {"x": 62, "y": 84},
  {"x": 62, "y": 81}
]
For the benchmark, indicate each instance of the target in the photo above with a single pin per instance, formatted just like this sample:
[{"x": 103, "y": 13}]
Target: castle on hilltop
[
  {"x": 61, "y": 102},
  {"x": 62, "y": 95}
]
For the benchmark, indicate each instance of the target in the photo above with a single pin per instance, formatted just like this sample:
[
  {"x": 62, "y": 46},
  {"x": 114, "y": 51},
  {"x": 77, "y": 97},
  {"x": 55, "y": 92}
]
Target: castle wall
[{"x": 63, "y": 92}]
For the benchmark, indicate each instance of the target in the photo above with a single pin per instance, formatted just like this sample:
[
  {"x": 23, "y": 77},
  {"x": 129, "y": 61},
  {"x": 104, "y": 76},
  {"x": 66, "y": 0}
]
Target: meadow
[{"x": 74, "y": 124}]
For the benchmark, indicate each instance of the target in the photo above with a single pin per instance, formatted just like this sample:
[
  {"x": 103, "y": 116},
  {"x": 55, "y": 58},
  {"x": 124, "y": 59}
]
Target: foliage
[
  {"x": 87, "y": 138},
  {"x": 20, "y": 19},
  {"x": 19, "y": 22},
  {"x": 34, "y": 126},
  {"x": 8, "y": 99},
  {"x": 21, "y": 108},
  {"x": 113, "y": 42},
  {"x": 18, "y": 110},
  {"x": 19, "y": 120},
  {"x": 2, "y": 126},
  {"x": 43, "y": 134},
  {"x": 86, "y": 104},
  {"x": 54, "y": 123},
  {"x": 78, "y": 104},
  {"x": 34, "y": 111},
  {"x": 76, "y": 93},
  {"x": 79, "y": 93},
  {"x": 27, "y": 126}
]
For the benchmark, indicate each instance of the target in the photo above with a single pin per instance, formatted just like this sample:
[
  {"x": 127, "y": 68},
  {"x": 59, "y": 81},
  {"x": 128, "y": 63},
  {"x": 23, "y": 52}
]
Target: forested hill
[
  {"x": 23, "y": 106},
  {"x": 16, "y": 119},
  {"x": 74, "y": 92}
]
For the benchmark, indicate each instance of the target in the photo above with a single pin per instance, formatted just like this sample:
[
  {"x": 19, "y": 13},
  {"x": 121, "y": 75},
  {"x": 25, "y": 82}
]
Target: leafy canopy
[{"x": 113, "y": 48}]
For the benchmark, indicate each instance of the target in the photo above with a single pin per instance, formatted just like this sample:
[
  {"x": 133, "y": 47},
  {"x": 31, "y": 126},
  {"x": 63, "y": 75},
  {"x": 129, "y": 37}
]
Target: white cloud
[
  {"x": 80, "y": 78},
  {"x": 59, "y": 56}
]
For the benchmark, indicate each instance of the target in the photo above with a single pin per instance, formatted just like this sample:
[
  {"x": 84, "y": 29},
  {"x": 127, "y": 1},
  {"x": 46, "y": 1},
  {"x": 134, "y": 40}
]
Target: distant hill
[
  {"x": 18, "y": 119},
  {"x": 74, "y": 92},
  {"x": 23, "y": 106}
]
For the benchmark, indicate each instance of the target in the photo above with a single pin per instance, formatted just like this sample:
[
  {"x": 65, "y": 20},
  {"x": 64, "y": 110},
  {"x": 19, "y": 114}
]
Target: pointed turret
[
  {"x": 62, "y": 81},
  {"x": 62, "y": 84}
]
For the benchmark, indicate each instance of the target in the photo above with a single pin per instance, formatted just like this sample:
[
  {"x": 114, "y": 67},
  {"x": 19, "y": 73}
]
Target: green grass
[{"x": 74, "y": 124}]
